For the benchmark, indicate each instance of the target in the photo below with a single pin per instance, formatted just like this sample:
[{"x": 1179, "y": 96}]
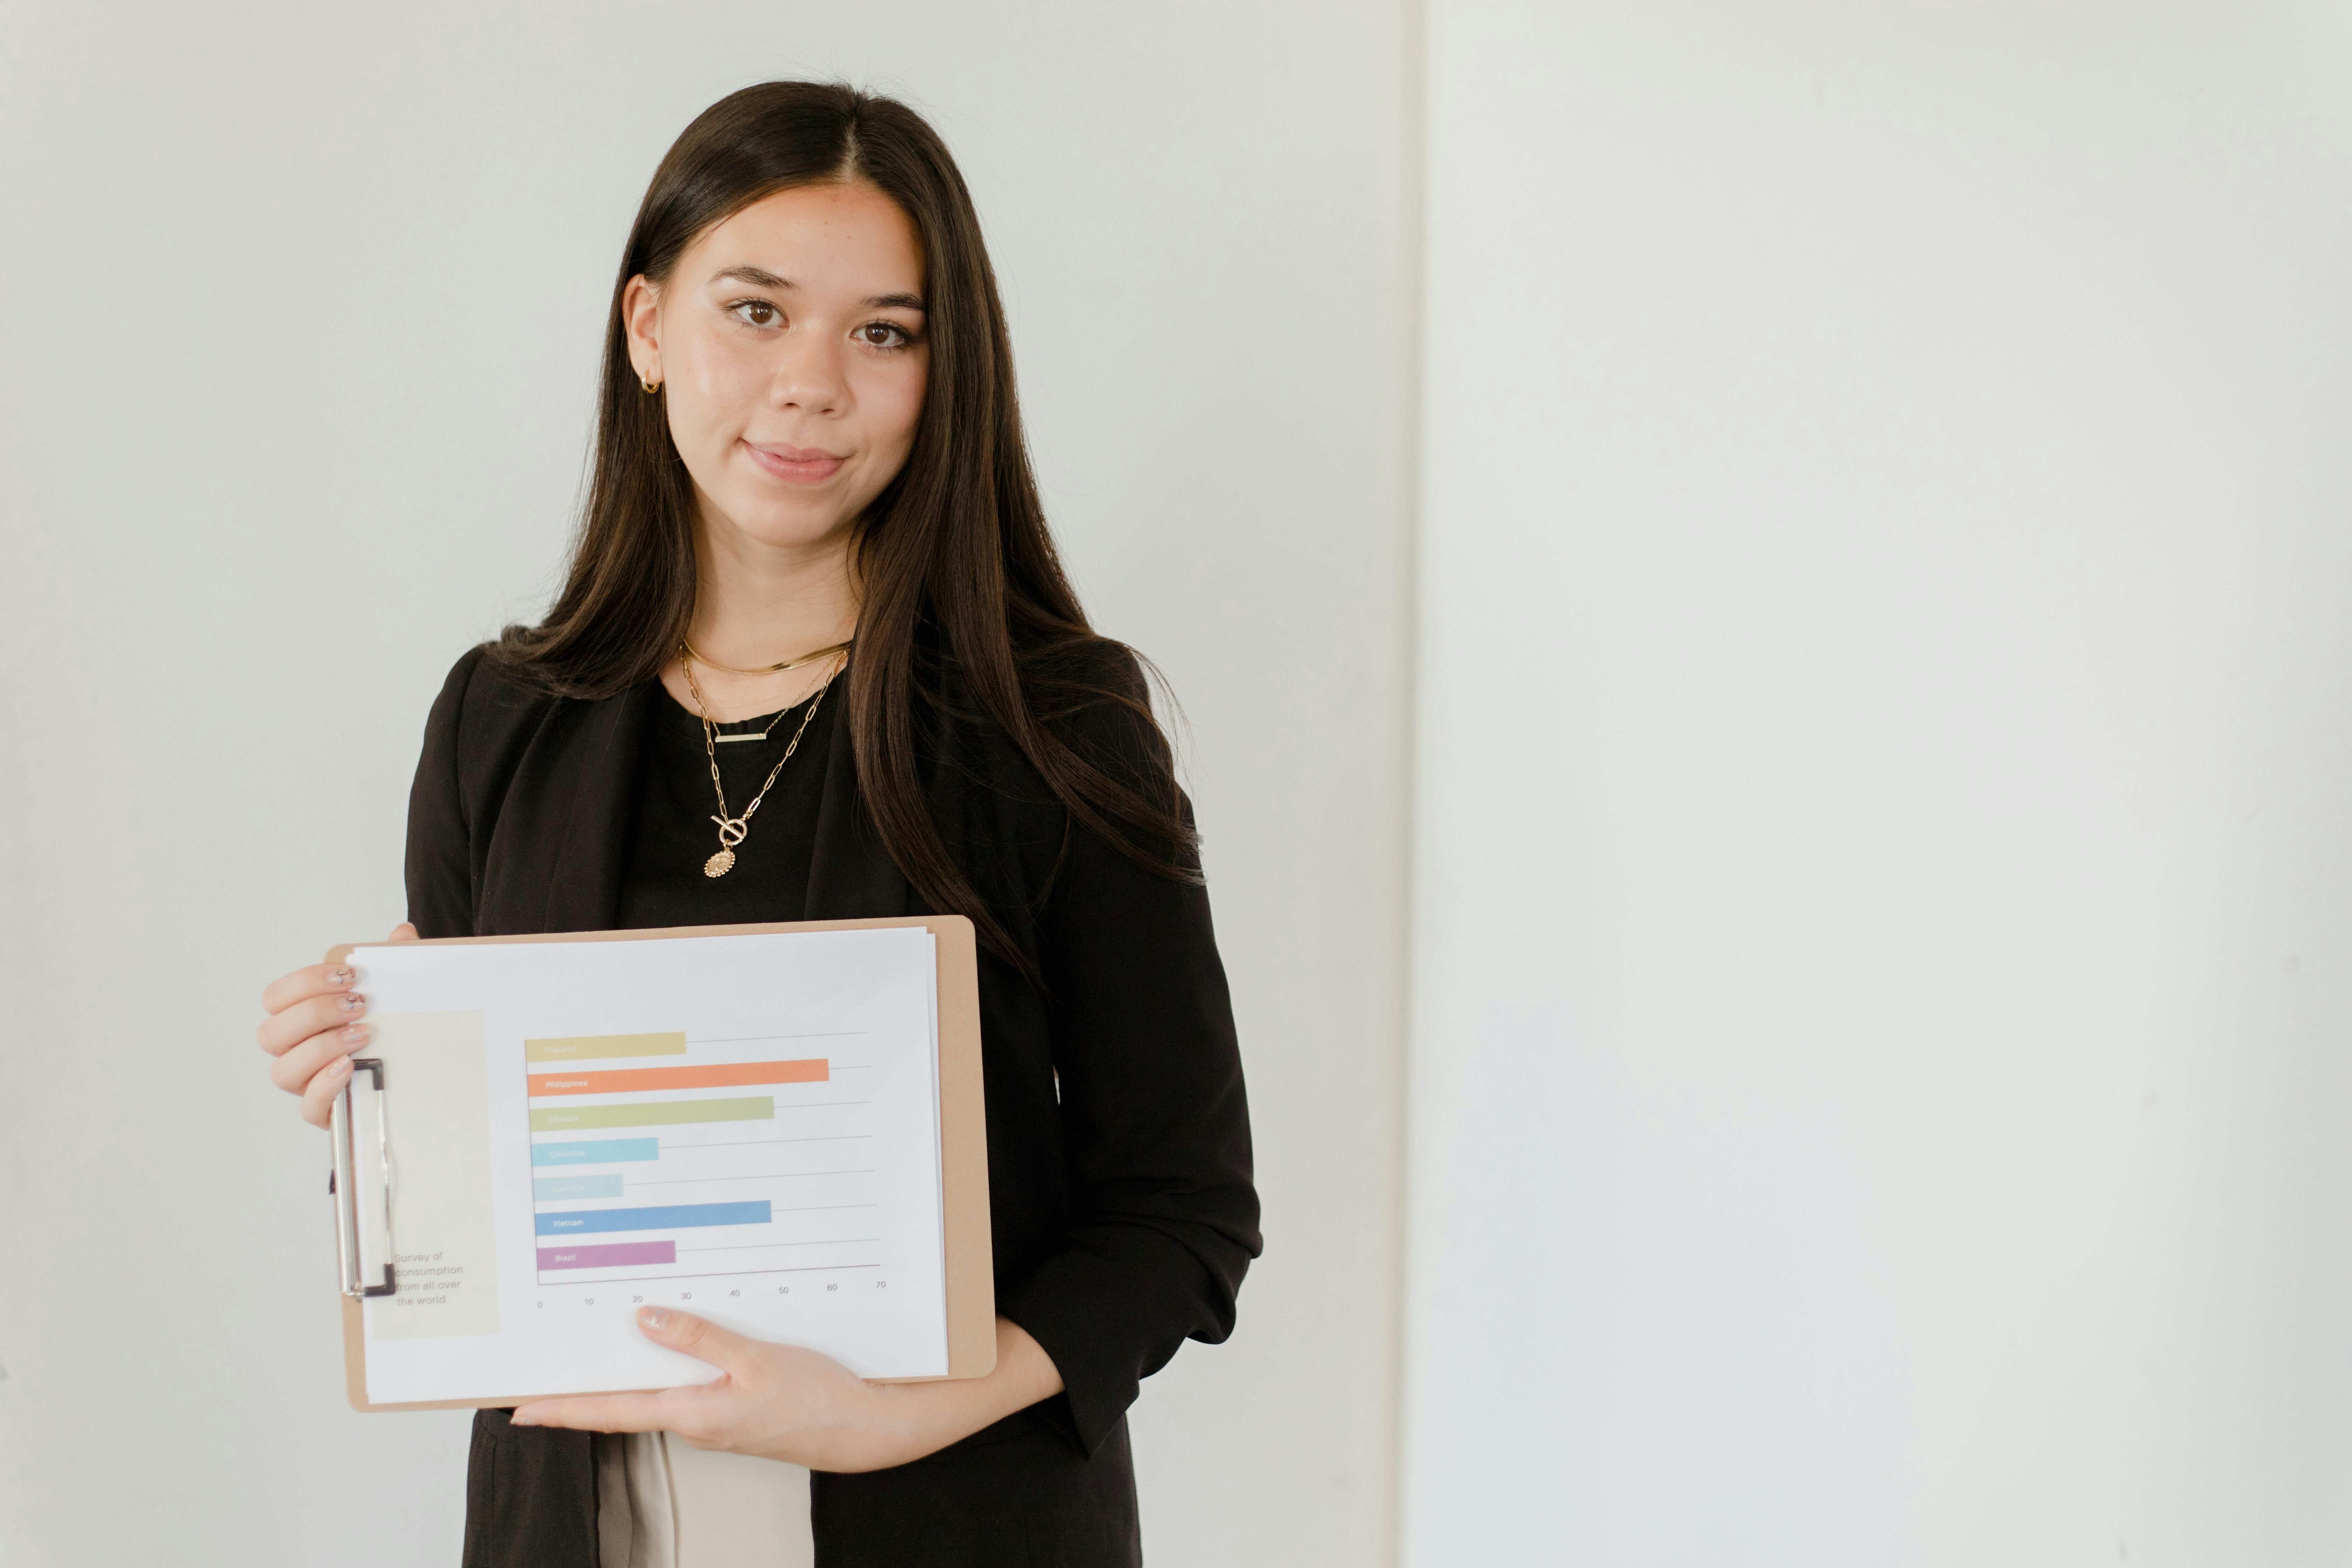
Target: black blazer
[{"x": 1119, "y": 1147}]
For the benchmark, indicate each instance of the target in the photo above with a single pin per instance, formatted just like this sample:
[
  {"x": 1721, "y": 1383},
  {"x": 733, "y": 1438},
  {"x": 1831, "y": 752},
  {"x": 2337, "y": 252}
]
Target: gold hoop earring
[{"x": 650, "y": 386}]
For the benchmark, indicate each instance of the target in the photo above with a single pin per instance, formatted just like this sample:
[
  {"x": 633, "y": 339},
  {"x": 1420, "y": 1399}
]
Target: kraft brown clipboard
[{"x": 963, "y": 1145}]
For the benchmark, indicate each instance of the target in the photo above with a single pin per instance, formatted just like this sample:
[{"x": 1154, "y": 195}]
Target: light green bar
[
  {"x": 666, "y": 1113},
  {"x": 591, "y": 1047}
]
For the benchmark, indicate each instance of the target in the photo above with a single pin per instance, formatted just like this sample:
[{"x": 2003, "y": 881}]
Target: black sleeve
[
  {"x": 1155, "y": 1122},
  {"x": 440, "y": 853}
]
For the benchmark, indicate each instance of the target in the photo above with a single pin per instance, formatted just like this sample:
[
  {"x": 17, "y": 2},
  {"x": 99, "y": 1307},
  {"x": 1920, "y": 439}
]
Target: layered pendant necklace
[{"x": 733, "y": 830}]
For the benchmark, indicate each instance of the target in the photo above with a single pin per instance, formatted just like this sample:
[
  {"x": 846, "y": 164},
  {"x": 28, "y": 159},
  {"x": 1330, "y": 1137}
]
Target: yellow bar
[{"x": 597, "y": 1048}]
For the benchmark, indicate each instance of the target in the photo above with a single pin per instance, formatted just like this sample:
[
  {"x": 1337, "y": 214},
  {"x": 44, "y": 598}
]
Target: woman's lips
[{"x": 794, "y": 464}]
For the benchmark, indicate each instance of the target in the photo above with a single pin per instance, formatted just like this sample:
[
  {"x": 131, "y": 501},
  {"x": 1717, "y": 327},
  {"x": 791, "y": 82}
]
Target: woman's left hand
[{"x": 781, "y": 1402}]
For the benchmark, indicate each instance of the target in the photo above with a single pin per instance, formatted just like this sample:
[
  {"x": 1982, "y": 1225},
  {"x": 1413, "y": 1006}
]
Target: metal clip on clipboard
[{"x": 362, "y": 1218}]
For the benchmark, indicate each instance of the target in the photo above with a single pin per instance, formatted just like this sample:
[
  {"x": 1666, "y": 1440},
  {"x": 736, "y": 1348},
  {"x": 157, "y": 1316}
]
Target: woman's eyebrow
[
  {"x": 895, "y": 302},
  {"x": 758, "y": 277}
]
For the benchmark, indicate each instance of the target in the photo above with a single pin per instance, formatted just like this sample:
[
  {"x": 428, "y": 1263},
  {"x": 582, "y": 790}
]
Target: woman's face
[{"x": 790, "y": 340}]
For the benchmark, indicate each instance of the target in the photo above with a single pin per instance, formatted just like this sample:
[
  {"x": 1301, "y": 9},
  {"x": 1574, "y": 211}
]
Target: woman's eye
[
  {"x": 883, "y": 335},
  {"x": 759, "y": 314}
]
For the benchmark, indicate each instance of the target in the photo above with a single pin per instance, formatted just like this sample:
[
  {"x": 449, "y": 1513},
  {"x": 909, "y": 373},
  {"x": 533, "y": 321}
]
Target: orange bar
[{"x": 733, "y": 1075}]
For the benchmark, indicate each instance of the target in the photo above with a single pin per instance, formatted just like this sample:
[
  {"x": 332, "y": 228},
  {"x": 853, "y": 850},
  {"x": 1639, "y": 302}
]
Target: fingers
[
  {"x": 686, "y": 1411},
  {"x": 696, "y": 1337},
  {"x": 318, "y": 980},
  {"x": 314, "y": 1026},
  {"x": 294, "y": 1070},
  {"x": 280, "y": 1032},
  {"x": 319, "y": 1094},
  {"x": 601, "y": 1413}
]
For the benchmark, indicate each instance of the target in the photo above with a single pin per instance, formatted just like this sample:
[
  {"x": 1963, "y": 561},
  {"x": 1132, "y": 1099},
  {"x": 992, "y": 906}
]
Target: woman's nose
[{"x": 807, "y": 374}]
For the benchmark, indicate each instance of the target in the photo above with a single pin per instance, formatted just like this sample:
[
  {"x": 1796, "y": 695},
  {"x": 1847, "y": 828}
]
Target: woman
[{"x": 815, "y": 659}]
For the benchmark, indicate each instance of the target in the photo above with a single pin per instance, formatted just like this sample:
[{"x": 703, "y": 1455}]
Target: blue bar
[
  {"x": 555, "y": 1189},
  {"x": 674, "y": 1217},
  {"x": 596, "y": 1152}
]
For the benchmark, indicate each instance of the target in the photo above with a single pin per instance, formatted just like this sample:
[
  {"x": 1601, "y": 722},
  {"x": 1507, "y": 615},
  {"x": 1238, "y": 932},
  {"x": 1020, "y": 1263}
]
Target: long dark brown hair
[{"x": 963, "y": 599}]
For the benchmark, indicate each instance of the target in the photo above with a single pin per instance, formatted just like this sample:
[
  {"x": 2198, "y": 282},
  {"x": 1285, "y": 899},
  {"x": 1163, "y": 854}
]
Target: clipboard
[{"x": 366, "y": 1112}]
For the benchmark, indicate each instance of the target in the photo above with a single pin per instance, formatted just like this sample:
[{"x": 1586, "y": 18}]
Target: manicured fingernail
[
  {"x": 654, "y": 1317},
  {"x": 350, "y": 1001},
  {"x": 342, "y": 976},
  {"x": 521, "y": 1421},
  {"x": 338, "y": 1067},
  {"x": 355, "y": 1034}
]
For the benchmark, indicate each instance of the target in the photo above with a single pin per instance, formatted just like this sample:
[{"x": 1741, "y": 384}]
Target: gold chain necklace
[
  {"x": 749, "y": 737},
  {"x": 732, "y": 830},
  {"x": 766, "y": 668}
]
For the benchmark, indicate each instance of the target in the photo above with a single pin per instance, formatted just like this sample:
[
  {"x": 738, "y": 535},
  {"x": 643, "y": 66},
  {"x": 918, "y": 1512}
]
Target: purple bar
[{"x": 617, "y": 1254}]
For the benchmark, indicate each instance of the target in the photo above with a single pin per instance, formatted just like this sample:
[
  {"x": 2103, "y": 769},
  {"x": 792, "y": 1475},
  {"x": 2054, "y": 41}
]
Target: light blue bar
[
  {"x": 672, "y": 1216},
  {"x": 596, "y": 1152},
  {"x": 558, "y": 1187}
]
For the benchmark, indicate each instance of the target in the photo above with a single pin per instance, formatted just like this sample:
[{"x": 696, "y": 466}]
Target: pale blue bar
[
  {"x": 596, "y": 1152},
  {"x": 548, "y": 1188}
]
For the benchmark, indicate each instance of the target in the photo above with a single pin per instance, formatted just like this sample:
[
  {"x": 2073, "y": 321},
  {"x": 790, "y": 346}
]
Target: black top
[
  {"x": 671, "y": 833},
  {"x": 1122, "y": 1212}
]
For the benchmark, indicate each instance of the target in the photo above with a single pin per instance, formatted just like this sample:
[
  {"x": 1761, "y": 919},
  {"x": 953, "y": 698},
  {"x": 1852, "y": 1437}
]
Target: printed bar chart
[
  {"x": 596, "y": 1152},
  {"x": 559, "y": 1189},
  {"x": 729, "y": 1075},
  {"x": 778, "y": 1183},
  {"x": 656, "y": 1113},
  {"x": 668, "y": 1217},
  {"x": 616, "y": 1255},
  {"x": 603, "y": 1048}
]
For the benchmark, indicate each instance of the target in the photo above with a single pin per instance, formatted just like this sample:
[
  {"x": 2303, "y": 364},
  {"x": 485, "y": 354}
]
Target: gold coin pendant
[{"x": 719, "y": 865}]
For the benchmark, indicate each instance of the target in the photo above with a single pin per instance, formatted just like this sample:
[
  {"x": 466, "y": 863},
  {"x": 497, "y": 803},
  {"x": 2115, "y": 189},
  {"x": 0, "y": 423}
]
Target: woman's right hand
[{"x": 313, "y": 1029}]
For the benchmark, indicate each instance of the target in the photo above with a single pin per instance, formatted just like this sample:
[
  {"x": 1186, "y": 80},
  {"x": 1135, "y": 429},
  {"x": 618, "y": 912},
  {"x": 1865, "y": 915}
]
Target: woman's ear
[{"x": 641, "y": 321}]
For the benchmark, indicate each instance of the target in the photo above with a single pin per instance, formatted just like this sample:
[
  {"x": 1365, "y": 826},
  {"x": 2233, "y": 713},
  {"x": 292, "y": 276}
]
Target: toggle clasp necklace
[{"x": 733, "y": 830}]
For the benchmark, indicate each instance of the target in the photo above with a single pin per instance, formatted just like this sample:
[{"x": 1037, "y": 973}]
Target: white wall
[
  {"x": 301, "y": 310},
  {"x": 1883, "y": 889}
]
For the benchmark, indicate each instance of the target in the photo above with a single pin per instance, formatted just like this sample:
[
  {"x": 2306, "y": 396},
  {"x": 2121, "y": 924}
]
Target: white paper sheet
[{"x": 743, "y": 1126}]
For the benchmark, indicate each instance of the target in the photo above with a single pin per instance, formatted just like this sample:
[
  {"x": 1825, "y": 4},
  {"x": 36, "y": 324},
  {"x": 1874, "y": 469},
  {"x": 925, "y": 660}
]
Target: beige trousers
[{"x": 662, "y": 1503}]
